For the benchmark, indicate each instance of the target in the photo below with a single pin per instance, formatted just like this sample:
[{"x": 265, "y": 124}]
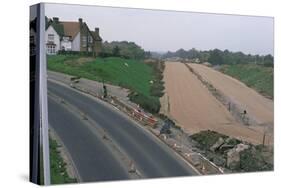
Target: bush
[
  {"x": 252, "y": 160},
  {"x": 234, "y": 141},
  {"x": 124, "y": 49},
  {"x": 157, "y": 89},
  {"x": 206, "y": 139},
  {"x": 61, "y": 52},
  {"x": 149, "y": 103}
]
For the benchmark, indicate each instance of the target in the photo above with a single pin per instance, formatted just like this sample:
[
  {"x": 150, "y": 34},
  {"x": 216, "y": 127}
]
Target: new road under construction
[
  {"x": 106, "y": 141},
  {"x": 200, "y": 98},
  {"x": 107, "y": 137}
]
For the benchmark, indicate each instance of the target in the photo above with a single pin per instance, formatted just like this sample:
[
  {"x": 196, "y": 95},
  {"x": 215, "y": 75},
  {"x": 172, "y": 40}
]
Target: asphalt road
[
  {"x": 151, "y": 157},
  {"x": 92, "y": 159}
]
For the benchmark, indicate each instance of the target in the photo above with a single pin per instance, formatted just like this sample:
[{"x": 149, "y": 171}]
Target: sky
[{"x": 156, "y": 30}]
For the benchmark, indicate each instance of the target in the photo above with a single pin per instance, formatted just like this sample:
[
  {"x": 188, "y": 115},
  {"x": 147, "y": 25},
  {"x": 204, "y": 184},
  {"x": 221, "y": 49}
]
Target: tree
[
  {"x": 216, "y": 57},
  {"x": 116, "y": 51},
  {"x": 268, "y": 60},
  {"x": 147, "y": 54}
]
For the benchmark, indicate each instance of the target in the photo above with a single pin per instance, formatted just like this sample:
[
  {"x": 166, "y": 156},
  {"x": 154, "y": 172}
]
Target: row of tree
[
  {"x": 218, "y": 57},
  {"x": 124, "y": 49}
]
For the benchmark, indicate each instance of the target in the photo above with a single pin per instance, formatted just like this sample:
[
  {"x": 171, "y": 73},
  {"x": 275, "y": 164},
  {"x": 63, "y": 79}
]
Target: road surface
[
  {"x": 92, "y": 159},
  {"x": 151, "y": 157},
  {"x": 196, "y": 109}
]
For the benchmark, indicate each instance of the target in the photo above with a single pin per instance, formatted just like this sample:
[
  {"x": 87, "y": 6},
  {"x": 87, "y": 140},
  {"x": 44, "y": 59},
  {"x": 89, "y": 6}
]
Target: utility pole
[{"x": 264, "y": 137}]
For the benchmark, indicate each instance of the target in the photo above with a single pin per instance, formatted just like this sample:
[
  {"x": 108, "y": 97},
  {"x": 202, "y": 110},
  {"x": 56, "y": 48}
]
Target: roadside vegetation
[
  {"x": 152, "y": 104},
  {"x": 143, "y": 79},
  {"x": 255, "y": 76},
  {"x": 58, "y": 166},
  {"x": 220, "y": 149},
  {"x": 124, "y": 49}
]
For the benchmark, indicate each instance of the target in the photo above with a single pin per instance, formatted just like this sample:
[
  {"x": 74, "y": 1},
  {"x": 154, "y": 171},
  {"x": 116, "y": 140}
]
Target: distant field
[
  {"x": 128, "y": 73},
  {"x": 257, "y": 77}
]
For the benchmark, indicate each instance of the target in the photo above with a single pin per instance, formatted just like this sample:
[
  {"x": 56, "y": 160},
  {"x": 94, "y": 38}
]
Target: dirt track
[{"x": 195, "y": 108}]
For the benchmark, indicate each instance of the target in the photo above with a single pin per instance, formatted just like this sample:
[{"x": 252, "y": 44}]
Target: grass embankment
[
  {"x": 156, "y": 90},
  {"x": 257, "y": 77},
  {"x": 128, "y": 73},
  {"x": 58, "y": 166}
]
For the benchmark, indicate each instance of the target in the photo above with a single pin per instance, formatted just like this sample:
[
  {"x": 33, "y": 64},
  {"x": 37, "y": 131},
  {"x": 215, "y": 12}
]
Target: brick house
[
  {"x": 71, "y": 36},
  {"x": 97, "y": 45}
]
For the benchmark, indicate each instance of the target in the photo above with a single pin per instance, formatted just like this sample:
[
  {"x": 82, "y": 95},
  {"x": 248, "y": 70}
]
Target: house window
[
  {"x": 51, "y": 37},
  {"x": 84, "y": 41},
  {"x": 90, "y": 39},
  {"x": 51, "y": 49}
]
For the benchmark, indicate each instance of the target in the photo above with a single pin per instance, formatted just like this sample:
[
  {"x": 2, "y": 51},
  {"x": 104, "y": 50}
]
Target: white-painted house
[
  {"x": 52, "y": 38},
  {"x": 71, "y": 36}
]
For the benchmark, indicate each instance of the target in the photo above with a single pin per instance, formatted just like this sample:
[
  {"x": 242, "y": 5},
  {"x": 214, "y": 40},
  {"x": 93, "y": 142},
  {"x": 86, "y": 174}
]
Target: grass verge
[
  {"x": 58, "y": 166},
  {"x": 143, "y": 79}
]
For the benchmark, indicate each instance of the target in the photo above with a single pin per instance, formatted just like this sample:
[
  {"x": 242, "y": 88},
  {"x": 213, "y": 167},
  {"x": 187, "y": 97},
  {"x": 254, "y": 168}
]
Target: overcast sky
[{"x": 170, "y": 30}]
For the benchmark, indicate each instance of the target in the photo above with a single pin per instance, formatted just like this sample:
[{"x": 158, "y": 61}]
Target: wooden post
[{"x": 263, "y": 138}]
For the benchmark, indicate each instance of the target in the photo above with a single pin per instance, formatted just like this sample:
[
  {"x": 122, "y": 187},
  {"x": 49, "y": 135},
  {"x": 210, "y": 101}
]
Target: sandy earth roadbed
[
  {"x": 194, "y": 107},
  {"x": 258, "y": 106}
]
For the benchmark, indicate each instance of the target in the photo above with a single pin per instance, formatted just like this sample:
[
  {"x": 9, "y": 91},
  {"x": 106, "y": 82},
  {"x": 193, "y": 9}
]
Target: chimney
[
  {"x": 56, "y": 19},
  {"x": 97, "y": 30},
  {"x": 80, "y": 20}
]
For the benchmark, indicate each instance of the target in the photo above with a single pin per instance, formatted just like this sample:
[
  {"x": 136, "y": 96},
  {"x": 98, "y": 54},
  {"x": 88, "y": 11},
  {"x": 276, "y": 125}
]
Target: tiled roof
[
  {"x": 59, "y": 28},
  {"x": 71, "y": 28},
  {"x": 66, "y": 28}
]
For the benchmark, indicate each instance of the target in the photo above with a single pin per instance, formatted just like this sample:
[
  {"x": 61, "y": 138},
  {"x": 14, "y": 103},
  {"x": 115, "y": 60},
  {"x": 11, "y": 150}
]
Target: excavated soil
[{"x": 195, "y": 109}]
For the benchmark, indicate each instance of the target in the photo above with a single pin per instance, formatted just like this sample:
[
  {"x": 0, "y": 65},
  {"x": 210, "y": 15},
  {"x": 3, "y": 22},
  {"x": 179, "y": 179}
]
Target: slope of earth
[
  {"x": 256, "y": 105},
  {"x": 196, "y": 109}
]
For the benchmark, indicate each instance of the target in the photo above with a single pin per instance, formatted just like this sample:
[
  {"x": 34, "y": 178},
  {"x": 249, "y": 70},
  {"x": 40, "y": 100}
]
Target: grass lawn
[
  {"x": 128, "y": 73},
  {"x": 257, "y": 77}
]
